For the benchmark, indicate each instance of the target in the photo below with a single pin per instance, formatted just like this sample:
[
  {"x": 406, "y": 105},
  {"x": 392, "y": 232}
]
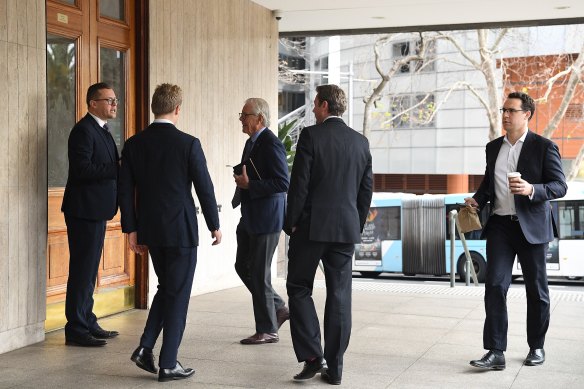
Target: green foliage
[{"x": 284, "y": 136}]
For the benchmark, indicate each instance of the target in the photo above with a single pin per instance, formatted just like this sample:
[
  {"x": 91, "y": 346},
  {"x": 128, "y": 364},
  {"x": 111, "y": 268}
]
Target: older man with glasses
[{"x": 261, "y": 184}]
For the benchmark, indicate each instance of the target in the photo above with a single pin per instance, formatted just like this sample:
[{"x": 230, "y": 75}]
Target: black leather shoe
[
  {"x": 144, "y": 359},
  {"x": 490, "y": 361},
  {"x": 326, "y": 377},
  {"x": 178, "y": 373},
  {"x": 85, "y": 341},
  {"x": 100, "y": 333},
  {"x": 535, "y": 357},
  {"x": 311, "y": 368}
]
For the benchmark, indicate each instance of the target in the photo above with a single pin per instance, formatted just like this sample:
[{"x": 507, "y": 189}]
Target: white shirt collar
[{"x": 98, "y": 120}]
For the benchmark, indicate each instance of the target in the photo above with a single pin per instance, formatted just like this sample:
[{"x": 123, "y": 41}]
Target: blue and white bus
[{"x": 409, "y": 234}]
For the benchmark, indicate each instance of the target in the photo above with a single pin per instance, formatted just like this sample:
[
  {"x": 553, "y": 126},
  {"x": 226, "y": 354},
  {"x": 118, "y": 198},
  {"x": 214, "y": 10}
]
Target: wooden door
[{"x": 88, "y": 41}]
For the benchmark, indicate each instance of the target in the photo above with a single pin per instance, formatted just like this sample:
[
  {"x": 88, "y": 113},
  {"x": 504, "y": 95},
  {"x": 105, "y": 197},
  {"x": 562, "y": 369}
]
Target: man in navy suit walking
[
  {"x": 521, "y": 224},
  {"x": 90, "y": 200},
  {"x": 159, "y": 167},
  {"x": 329, "y": 198},
  {"x": 261, "y": 191}
]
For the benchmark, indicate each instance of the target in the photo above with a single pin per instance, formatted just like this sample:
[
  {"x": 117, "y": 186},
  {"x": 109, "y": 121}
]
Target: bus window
[{"x": 571, "y": 219}]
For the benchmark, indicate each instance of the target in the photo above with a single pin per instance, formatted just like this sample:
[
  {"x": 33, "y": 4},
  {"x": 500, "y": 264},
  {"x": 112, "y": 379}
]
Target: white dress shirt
[{"x": 506, "y": 163}]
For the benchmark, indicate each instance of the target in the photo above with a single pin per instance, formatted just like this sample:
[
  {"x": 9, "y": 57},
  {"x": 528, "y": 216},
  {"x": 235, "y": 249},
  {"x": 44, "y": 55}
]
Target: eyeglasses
[
  {"x": 243, "y": 115},
  {"x": 510, "y": 110},
  {"x": 109, "y": 100}
]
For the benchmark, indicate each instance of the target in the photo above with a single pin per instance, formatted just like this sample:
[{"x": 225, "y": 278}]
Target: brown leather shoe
[
  {"x": 282, "y": 315},
  {"x": 260, "y": 338}
]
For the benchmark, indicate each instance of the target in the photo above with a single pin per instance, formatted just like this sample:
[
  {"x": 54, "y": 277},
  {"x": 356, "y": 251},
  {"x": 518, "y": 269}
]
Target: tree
[{"x": 419, "y": 56}]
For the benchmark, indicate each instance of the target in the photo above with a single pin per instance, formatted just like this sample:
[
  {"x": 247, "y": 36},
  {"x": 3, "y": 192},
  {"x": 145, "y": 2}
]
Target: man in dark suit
[
  {"x": 261, "y": 190},
  {"x": 159, "y": 167},
  {"x": 329, "y": 198},
  {"x": 521, "y": 224},
  {"x": 90, "y": 200}
]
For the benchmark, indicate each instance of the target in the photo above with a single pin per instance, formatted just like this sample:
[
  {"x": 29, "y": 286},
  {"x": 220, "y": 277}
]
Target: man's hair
[
  {"x": 93, "y": 91},
  {"x": 260, "y": 108},
  {"x": 166, "y": 98},
  {"x": 334, "y": 96},
  {"x": 527, "y": 103}
]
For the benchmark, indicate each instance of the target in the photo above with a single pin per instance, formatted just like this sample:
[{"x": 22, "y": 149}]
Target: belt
[{"x": 513, "y": 218}]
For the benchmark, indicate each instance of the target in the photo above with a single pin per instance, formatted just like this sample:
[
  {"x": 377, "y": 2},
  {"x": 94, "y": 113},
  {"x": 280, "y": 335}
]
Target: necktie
[
  {"x": 106, "y": 127},
  {"x": 237, "y": 195}
]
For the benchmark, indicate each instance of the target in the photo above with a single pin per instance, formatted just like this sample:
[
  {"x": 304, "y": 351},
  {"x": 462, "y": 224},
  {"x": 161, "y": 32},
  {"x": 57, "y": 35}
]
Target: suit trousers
[
  {"x": 505, "y": 239},
  {"x": 253, "y": 264},
  {"x": 175, "y": 269},
  {"x": 303, "y": 258},
  {"x": 85, "y": 244}
]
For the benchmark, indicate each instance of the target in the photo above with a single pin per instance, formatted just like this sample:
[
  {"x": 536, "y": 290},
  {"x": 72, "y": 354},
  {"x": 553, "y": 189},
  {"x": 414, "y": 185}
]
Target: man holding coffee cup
[{"x": 523, "y": 173}]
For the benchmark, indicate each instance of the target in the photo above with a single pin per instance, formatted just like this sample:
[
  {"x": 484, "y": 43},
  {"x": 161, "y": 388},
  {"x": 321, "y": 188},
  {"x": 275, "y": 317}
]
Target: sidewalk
[{"x": 405, "y": 335}]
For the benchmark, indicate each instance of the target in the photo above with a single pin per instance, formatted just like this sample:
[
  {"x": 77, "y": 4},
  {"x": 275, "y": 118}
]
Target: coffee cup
[{"x": 511, "y": 175}]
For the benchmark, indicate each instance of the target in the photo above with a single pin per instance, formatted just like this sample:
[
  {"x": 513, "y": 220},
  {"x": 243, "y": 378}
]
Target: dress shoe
[
  {"x": 100, "y": 333},
  {"x": 178, "y": 373},
  {"x": 310, "y": 369},
  {"x": 87, "y": 340},
  {"x": 326, "y": 377},
  {"x": 144, "y": 359},
  {"x": 490, "y": 361},
  {"x": 260, "y": 338},
  {"x": 535, "y": 357},
  {"x": 282, "y": 315}
]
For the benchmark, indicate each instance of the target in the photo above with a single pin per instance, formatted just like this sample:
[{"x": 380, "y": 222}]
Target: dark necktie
[
  {"x": 237, "y": 195},
  {"x": 106, "y": 127}
]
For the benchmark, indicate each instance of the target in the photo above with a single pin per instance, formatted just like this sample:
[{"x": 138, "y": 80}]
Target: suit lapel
[
  {"x": 524, "y": 156},
  {"x": 105, "y": 138}
]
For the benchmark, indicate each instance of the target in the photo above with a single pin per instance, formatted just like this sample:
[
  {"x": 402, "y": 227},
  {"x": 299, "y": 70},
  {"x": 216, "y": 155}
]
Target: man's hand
[
  {"x": 242, "y": 181},
  {"x": 134, "y": 246},
  {"x": 472, "y": 202},
  {"x": 216, "y": 235},
  {"x": 519, "y": 186}
]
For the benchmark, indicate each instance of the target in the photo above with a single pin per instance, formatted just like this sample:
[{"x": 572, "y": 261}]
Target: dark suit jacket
[
  {"x": 91, "y": 190},
  {"x": 159, "y": 167},
  {"x": 331, "y": 184},
  {"x": 263, "y": 204},
  {"x": 539, "y": 164}
]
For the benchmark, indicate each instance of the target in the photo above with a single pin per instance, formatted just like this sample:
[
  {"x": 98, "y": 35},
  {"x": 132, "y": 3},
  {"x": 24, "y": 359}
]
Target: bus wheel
[
  {"x": 370, "y": 274},
  {"x": 479, "y": 264}
]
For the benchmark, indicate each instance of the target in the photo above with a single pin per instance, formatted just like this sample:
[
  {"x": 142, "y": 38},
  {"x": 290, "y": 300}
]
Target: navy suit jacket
[
  {"x": 263, "y": 204},
  {"x": 159, "y": 167},
  {"x": 91, "y": 190},
  {"x": 331, "y": 184},
  {"x": 539, "y": 164}
]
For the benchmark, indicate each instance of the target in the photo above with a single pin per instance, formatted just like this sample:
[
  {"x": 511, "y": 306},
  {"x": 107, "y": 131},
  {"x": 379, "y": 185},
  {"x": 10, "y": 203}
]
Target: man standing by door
[
  {"x": 90, "y": 200},
  {"x": 160, "y": 165},
  {"x": 329, "y": 198},
  {"x": 521, "y": 224},
  {"x": 261, "y": 190}
]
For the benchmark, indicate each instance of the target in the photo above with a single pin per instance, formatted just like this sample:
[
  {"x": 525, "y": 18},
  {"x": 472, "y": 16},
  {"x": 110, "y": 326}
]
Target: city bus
[{"x": 410, "y": 234}]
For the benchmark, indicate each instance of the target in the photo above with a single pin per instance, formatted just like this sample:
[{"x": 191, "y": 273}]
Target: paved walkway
[{"x": 405, "y": 335}]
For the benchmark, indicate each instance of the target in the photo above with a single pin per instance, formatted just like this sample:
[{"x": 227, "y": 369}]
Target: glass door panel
[
  {"x": 112, "y": 70},
  {"x": 61, "y": 98},
  {"x": 112, "y": 9}
]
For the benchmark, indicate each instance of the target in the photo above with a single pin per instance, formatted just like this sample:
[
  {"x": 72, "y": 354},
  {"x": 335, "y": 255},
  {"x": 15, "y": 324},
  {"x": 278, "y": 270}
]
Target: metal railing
[{"x": 454, "y": 224}]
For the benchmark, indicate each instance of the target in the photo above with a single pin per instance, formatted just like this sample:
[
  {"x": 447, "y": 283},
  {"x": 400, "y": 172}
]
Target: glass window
[
  {"x": 112, "y": 70},
  {"x": 571, "y": 219},
  {"x": 61, "y": 77},
  {"x": 383, "y": 223},
  {"x": 112, "y": 9},
  {"x": 72, "y": 2}
]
